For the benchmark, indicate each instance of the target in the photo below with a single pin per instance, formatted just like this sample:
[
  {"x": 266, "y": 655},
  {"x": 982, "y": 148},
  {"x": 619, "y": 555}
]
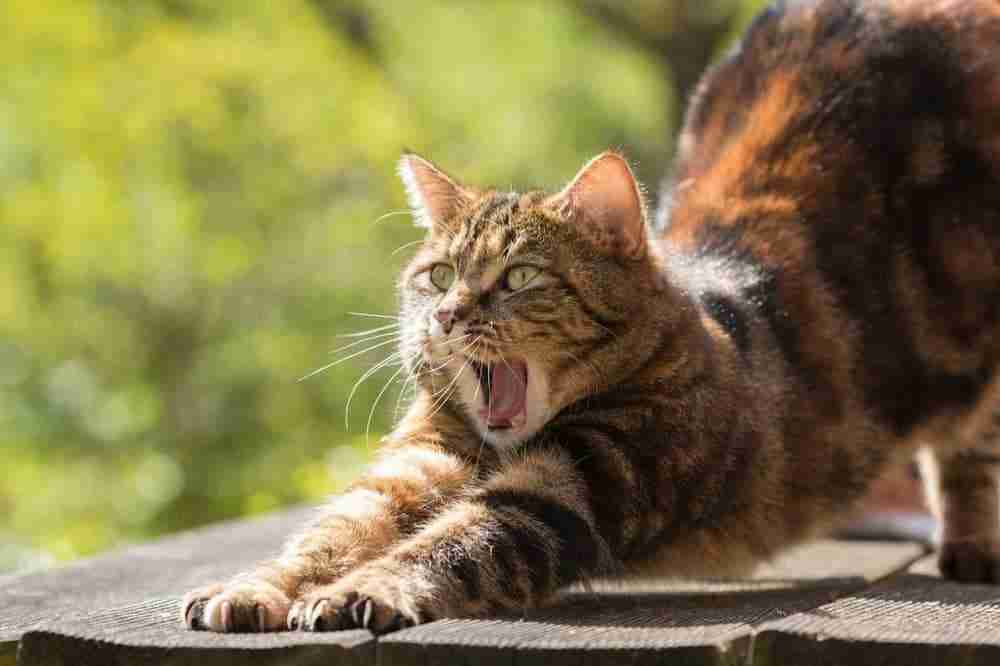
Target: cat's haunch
[{"x": 819, "y": 298}]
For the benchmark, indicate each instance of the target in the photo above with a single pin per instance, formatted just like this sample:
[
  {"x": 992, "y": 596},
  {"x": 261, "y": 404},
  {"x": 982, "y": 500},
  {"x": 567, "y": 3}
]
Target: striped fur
[{"x": 819, "y": 298}]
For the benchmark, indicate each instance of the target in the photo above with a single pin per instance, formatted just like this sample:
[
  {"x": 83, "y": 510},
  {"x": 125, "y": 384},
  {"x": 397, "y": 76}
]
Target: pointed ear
[
  {"x": 605, "y": 203},
  {"x": 434, "y": 196}
]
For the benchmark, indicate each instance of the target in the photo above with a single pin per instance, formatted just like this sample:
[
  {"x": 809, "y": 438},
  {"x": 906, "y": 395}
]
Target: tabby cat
[{"x": 597, "y": 396}]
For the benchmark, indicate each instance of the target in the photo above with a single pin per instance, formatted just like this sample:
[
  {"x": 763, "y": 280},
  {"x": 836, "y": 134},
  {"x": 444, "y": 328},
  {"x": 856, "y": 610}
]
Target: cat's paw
[
  {"x": 970, "y": 561},
  {"x": 379, "y": 605},
  {"x": 250, "y": 606}
]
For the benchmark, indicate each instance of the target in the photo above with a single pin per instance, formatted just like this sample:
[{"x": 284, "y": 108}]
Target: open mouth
[{"x": 504, "y": 388}]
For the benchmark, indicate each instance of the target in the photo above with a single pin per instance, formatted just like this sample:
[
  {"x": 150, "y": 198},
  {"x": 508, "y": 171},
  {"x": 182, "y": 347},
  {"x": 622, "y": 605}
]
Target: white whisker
[
  {"x": 374, "y": 315},
  {"x": 370, "y": 338},
  {"x": 475, "y": 396},
  {"x": 388, "y": 360},
  {"x": 391, "y": 213},
  {"x": 347, "y": 358},
  {"x": 441, "y": 391},
  {"x": 370, "y": 330},
  {"x": 446, "y": 393},
  {"x": 402, "y": 392},
  {"x": 406, "y": 245},
  {"x": 466, "y": 347},
  {"x": 371, "y": 412}
]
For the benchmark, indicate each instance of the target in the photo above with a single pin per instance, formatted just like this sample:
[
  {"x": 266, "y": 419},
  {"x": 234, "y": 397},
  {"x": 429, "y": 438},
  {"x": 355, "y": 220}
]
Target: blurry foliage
[{"x": 191, "y": 195}]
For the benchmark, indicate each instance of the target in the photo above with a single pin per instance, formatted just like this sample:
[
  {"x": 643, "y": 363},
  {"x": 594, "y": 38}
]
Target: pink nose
[{"x": 447, "y": 318}]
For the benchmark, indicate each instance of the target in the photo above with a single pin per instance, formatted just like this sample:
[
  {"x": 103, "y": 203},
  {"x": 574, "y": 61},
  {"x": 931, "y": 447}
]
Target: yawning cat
[{"x": 598, "y": 396}]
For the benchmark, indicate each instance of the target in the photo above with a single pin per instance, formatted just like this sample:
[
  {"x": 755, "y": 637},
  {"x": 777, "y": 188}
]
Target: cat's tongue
[{"x": 508, "y": 394}]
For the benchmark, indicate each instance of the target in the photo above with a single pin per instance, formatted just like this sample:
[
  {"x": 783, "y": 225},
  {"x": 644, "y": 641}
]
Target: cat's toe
[
  {"x": 380, "y": 617},
  {"x": 339, "y": 607},
  {"x": 970, "y": 561},
  {"x": 193, "y": 606},
  {"x": 322, "y": 610},
  {"x": 242, "y": 607}
]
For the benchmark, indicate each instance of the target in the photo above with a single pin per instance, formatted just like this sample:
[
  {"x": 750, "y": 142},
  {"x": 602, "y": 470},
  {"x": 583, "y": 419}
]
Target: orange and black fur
[{"x": 819, "y": 299}]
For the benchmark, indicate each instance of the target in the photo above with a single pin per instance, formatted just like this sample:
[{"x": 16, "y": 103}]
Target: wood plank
[
  {"x": 150, "y": 633},
  {"x": 914, "y": 617},
  {"x": 161, "y": 568},
  {"x": 710, "y": 626},
  {"x": 696, "y": 622},
  {"x": 123, "y": 608}
]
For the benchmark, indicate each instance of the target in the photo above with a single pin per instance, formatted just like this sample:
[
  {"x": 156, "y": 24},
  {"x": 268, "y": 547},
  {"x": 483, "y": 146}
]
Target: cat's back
[
  {"x": 816, "y": 87},
  {"x": 849, "y": 151}
]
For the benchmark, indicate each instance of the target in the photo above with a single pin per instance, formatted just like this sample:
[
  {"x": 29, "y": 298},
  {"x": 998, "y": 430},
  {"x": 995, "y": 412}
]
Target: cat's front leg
[
  {"x": 411, "y": 481},
  {"x": 528, "y": 532}
]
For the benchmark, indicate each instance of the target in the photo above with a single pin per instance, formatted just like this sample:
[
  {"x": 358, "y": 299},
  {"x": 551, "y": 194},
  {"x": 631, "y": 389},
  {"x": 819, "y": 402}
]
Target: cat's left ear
[
  {"x": 435, "y": 197},
  {"x": 605, "y": 202}
]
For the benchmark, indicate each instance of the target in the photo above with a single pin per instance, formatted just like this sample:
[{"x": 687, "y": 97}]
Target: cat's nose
[{"x": 446, "y": 316}]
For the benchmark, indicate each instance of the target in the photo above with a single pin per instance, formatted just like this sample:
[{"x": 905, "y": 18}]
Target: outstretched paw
[
  {"x": 970, "y": 561},
  {"x": 378, "y": 607},
  {"x": 251, "y": 606}
]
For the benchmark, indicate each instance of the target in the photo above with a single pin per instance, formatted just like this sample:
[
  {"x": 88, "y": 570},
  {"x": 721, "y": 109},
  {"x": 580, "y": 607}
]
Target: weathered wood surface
[
  {"x": 830, "y": 602},
  {"x": 148, "y": 571},
  {"x": 911, "y": 618}
]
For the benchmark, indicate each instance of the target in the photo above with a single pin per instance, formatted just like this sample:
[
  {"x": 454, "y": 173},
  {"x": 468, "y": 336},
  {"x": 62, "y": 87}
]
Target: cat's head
[{"x": 518, "y": 304}]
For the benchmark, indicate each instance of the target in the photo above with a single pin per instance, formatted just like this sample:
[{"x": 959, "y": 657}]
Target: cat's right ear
[
  {"x": 435, "y": 197},
  {"x": 605, "y": 203}
]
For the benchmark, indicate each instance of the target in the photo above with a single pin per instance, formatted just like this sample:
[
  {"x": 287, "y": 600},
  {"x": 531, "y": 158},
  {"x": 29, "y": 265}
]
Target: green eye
[
  {"x": 442, "y": 275},
  {"x": 519, "y": 276}
]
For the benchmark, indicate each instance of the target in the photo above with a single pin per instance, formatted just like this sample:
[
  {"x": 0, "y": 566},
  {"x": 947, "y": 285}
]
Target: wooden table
[{"x": 831, "y": 602}]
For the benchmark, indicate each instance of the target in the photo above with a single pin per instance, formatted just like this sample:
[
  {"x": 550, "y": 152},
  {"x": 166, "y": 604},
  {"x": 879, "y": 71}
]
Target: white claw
[
  {"x": 369, "y": 610},
  {"x": 212, "y": 618},
  {"x": 292, "y": 621},
  {"x": 317, "y": 612}
]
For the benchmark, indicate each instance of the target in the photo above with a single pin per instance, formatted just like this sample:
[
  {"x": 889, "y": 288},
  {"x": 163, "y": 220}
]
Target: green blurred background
[{"x": 192, "y": 196}]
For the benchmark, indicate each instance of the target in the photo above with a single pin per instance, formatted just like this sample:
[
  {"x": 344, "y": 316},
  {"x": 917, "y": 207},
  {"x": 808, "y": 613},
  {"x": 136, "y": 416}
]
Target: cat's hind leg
[{"x": 964, "y": 490}]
